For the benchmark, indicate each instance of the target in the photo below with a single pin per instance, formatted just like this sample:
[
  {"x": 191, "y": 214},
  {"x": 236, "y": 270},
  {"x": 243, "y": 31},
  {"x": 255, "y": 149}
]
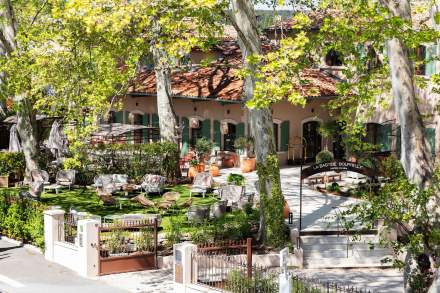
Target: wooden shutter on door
[
  {"x": 145, "y": 122},
  {"x": 155, "y": 123},
  {"x": 185, "y": 136},
  {"x": 384, "y": 137},
  {"x": 285, "y": 130},
  {"x": 217, "y": 134},
  {"x": 206, "y": 129},
  {"x": 119, "y": 117},
  {"x": 240, "y": 129}
]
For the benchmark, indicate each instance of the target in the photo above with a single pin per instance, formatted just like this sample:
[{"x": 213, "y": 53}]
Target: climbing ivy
[{"x": 271, "y": 205}]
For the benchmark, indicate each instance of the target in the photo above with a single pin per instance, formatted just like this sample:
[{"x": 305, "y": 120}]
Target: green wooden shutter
[
  {"x": 384, "y": 137},
  {"x": 285, "y": 130},
  {"x": 145, "y": 122},
  {"x": 185, "y": 136},
  {"x": 217, "y": 134},
  {"x": 430, "y": 64},
  {"x": 119, "y": 117},
  {"x": 126, "y": 113},
  {"x": 155, "y": 123},
  {"x": 240, "y": 130},
  {"x": 206, "y": 129},
  {"x": 430, "y": 136},
  {"x": 398, "y": 142}
]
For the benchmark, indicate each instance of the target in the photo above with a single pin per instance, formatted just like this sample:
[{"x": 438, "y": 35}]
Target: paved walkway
[
  {"x": 156, "y": 281},
  {"x": 24, "y": 271},
  {"x": 319, "y": 210},
  {"x": 381, "y": 280}
]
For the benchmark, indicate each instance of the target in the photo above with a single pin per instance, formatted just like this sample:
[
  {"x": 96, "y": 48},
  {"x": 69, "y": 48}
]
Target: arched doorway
[
  {"x": 313, "y": 140},
  {"x": 229, "y": 137}
]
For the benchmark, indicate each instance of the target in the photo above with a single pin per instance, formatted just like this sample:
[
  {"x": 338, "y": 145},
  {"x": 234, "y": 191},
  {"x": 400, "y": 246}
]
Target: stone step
[
  {"x": 341, "y": 246},
  {"x": 343, "y": 253},
  {"x": 351, "y": 262},
  {"x": 335, "y": 239}
]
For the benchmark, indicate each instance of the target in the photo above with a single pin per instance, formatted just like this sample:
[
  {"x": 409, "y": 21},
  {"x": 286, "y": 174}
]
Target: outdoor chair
[
  {"x": 153, "y": 183},
  {"x": 66, "y": 177},
  {"x": 203, "y": 182},
  {"x": 232, "y": 194},
  {"x": 39, "y": 178},
  {"x": 110, "y": 183}
]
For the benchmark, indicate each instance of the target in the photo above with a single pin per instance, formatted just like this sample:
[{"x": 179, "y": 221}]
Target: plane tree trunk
[
  {"x": 26, "y": 120},
  {"x": 261, "y": 127},
  {"x": 416, "y": 156}
]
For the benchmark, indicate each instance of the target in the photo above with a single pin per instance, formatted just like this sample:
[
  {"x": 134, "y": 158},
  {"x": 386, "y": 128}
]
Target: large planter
[
  {"x": 286, "y": 210},
  {"x": 228, "y": 163},
  {"x": 248, "y": 165},
  {"x": 4, "y": 181},
  {"x": 197, "y": 214},
  {"x": 218, "y": 209},
  {"x": 192, "y": 171},
  {"x": 214, "y": 170},
  {"x": 201, "y": 167}
]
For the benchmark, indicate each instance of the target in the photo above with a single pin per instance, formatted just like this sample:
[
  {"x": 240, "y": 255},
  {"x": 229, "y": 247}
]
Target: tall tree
[
  {"x": 26, "y": 120},
  {"x": 261, "y": 126}
]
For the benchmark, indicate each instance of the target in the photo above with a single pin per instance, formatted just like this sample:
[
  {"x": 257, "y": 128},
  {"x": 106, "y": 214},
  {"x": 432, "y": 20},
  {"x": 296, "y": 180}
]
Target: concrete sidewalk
[{"x": 24, "y": 271}]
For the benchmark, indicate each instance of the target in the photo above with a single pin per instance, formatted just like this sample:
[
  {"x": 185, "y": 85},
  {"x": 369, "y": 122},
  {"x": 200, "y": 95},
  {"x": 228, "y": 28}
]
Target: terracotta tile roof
[{"x": 218, "y": 80}]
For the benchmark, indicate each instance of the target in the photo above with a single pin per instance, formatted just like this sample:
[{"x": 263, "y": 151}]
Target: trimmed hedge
[
  {"x": 135, "y": 160},
  {"x": 21, "y": 219}
]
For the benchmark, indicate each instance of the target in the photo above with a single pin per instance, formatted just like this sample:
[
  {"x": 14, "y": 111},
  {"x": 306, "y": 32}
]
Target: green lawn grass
[{"x": 86, "y": 200}]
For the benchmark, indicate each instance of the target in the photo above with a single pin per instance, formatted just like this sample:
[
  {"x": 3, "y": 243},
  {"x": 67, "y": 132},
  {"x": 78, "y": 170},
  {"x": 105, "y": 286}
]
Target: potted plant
[
  {"x": 193, "y": 169},
  {"x": 203, "y": 148},
  {"x": 247, "y": 160},
  {"x": 236, "y": 179},
  {"x": 214, "y": 170}
]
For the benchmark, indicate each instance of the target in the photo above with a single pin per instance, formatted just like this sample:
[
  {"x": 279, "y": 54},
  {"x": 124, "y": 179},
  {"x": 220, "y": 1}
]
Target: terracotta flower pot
[
  {"x": 286, "y": 210},
  {"x": 228, "y": 163},
  {"x": 248, "y": 165},
  {"x": 192, "y": 171},
  {"x": 214, "y": 170},
  {"x": 201, "y": 167}
]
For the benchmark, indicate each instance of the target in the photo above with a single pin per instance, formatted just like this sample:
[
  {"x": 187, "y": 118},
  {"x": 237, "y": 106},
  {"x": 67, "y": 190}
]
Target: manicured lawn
[{"x": 86, "y": 200}]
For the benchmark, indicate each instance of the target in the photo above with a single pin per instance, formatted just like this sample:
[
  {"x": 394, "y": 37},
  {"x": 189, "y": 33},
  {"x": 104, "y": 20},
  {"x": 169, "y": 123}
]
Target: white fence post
[
  {"x": 53, "y": 231},
  {"x": 184, "y": 266},
  {"x": 88, "y": 247},
  {"x": 285, "y": 279}
]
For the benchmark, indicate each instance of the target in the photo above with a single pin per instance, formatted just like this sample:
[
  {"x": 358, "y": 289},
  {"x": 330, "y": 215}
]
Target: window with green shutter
[
  {"x": 145, "y": 122},
  {"x": 217, "y": 134},
  {"x": 185, "y": 136},
  {"x": 430, "y": 136},
  {"x": 206, "y": 129},
  {"x": 285, "y": 130},
  {"x": 126, "y": 113},
  {"x": 155, "y": 123},
  {"x": 430, "y": 53},
  {"x": 119, "y": 116},
  {"x": 384, "y": 137},
  {"x": 240, "y": 130}
]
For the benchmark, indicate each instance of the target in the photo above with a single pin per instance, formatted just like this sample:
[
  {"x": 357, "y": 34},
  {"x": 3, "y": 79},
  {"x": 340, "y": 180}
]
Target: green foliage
[
  {"x": 244, "y": 143},
  {"x": 236, "y": 179},
  {"x": 172, "y": 227},
  {"x": 334, "y": 187},
  {"x": 203, "y": 147},
  {"x": 238, "y": 282},
  {"x": 12, "y": 162},
  {"x": 72, "y": 164},
  {"x": 21, "y": 219},
  {"x": 135, "y": 160},
  {"x": 324, "y": 157},
  {"x": 145, "y": 240},
  {"x": 391, "y": 168},
  {"x": 273, "y": 204}
]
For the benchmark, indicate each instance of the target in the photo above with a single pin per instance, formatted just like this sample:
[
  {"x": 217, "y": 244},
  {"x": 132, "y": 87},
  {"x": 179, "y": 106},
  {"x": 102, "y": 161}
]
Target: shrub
[
  {"x": 21, "y": 219},
  {"x": 238, "y": 282},
  {"x": 324, "y": 157},
  {"x": 135, "y": 160},
  {"x": 236, "y": 179},
  {"x": 12, "y": 162},
  {"x": 203, "y": 147},
  {"x": 334, "y": 187},
  {"x": 172, "y": 227}
]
